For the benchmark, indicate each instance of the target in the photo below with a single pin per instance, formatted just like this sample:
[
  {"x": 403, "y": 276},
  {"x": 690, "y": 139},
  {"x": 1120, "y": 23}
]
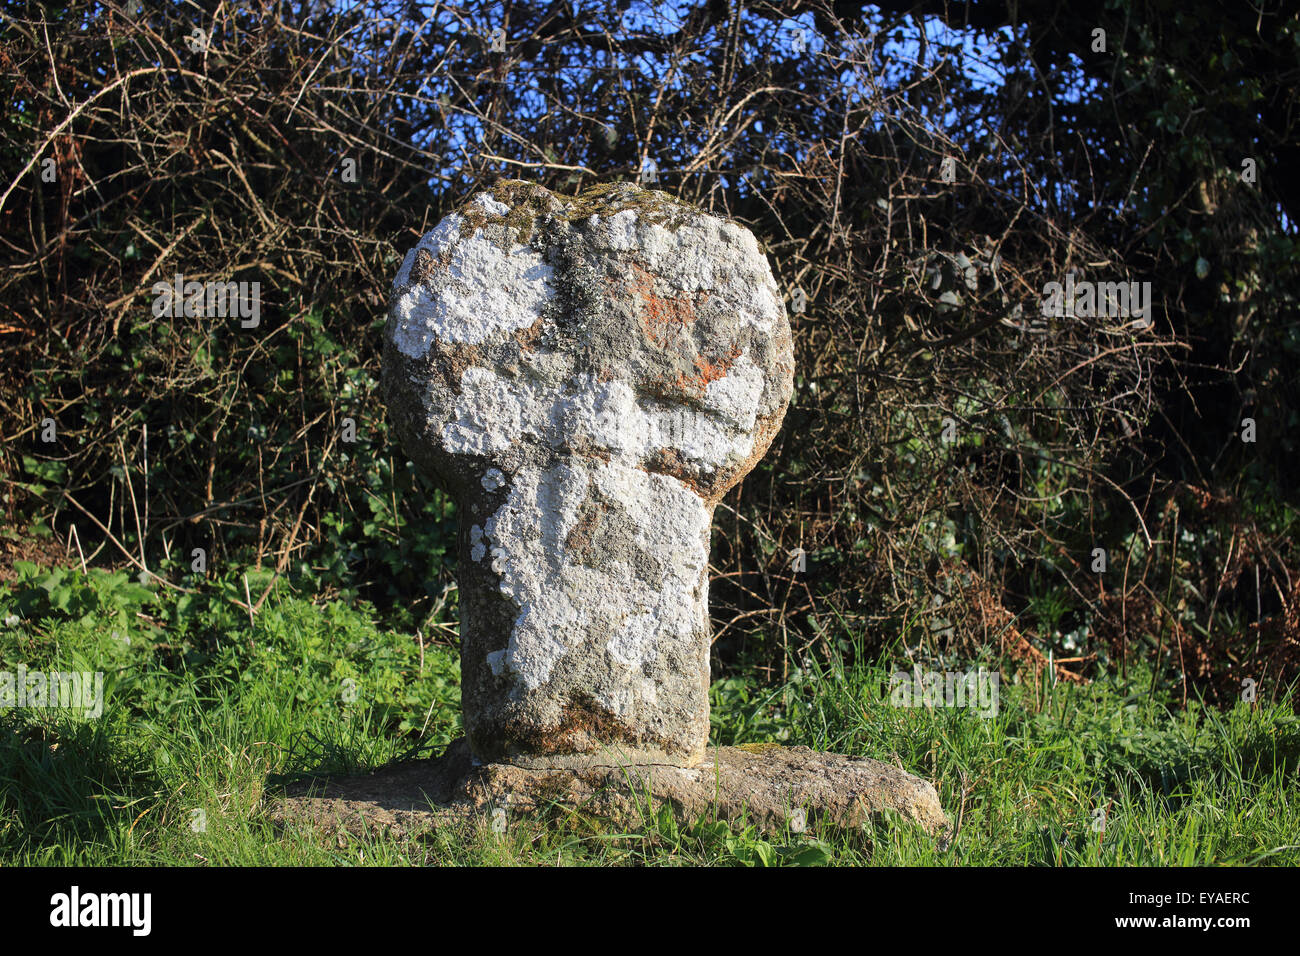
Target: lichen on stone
[{"x": 589, "y": 374}]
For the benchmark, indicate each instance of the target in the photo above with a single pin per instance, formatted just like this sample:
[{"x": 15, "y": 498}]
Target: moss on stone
[
  {"x": 758, "y": 748},
  {"x": 529, "y": 202},
  {"x": 608, "y": 199}
]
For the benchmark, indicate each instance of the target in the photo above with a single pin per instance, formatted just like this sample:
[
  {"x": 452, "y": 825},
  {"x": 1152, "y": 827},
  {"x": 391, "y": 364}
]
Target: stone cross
[{"x": 588, "y": 376}]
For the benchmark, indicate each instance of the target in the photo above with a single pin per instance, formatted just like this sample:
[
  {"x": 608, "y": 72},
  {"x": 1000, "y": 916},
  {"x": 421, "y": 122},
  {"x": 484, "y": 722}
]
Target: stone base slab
[{"x": 763, "y": 783}]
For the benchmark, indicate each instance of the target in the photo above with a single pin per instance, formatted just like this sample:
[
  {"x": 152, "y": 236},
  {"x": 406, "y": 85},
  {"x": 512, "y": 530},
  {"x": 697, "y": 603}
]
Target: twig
[{"x": 121, "y": 547}]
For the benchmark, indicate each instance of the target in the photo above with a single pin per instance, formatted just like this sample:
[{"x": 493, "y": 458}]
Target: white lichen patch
[
  {"x": 700, "y": 438},
  {"x": 688, "y": 256},
  {"x": 652, "y": 594},
  {"x": 705, "y": 255},
  {"x": 735, "y": 396},
  {"x": 490, "y": 204},
  {"x": 602, "y": 414},
  {"x": 492, "y": 479},
  {"x": 477, "y": 547},
  {"x": 475, "y": 291},
  {"x": 617, "y": 232},
  {"x": 490, "y": 414},
  {"x": 493, "y": 412}
]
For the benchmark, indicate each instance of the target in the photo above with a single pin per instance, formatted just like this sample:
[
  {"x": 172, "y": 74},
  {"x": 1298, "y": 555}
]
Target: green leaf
[
  {"x": 814, "y": 854},
  {"x": 52, "y": 472}
]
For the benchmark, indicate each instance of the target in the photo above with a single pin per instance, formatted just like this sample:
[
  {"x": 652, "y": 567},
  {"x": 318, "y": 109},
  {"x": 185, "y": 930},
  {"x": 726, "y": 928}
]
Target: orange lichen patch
[
  {"x": 663, "y": 318},
  {"x": 706, "y": 372}
]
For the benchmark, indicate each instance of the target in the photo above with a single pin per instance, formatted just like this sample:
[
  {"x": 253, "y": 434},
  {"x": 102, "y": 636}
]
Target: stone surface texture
[
  {"x": 588, "y": 376},
  {"x": 765, "y": 784}
]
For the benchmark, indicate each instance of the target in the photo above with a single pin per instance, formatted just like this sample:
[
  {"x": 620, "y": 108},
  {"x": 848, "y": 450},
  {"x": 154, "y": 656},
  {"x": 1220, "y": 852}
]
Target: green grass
[{"x": 205, "y": 714}]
